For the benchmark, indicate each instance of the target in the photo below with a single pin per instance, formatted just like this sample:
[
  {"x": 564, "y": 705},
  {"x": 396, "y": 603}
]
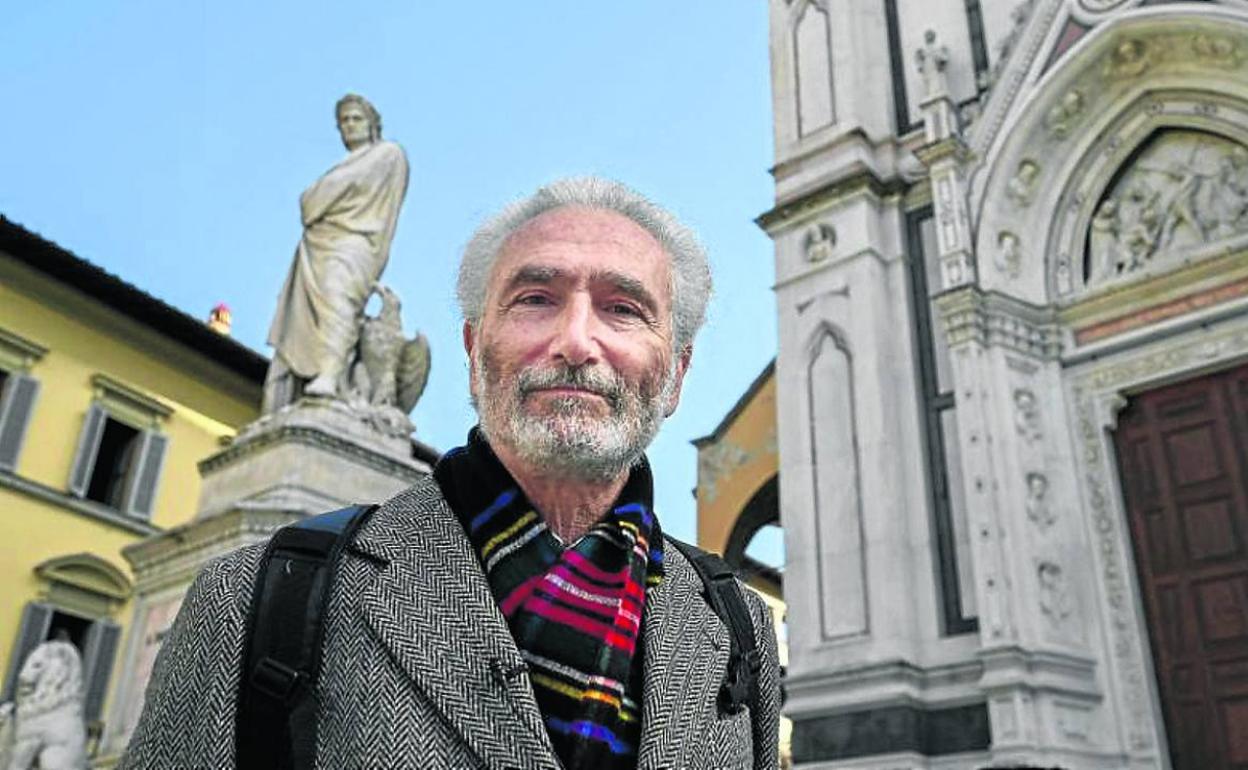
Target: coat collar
[
  {"x": 677, "y": 629},
  {"x": 431, "y": 606}
]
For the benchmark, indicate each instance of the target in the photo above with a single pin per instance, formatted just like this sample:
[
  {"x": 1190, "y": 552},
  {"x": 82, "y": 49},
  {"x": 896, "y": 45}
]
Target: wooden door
[{"x": 1183, "y": 459}]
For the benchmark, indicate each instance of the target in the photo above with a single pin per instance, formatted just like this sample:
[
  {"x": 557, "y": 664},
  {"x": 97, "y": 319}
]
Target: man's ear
[
  {"x": 470, "y": 341},
  {"x": 682, "y": 367}
]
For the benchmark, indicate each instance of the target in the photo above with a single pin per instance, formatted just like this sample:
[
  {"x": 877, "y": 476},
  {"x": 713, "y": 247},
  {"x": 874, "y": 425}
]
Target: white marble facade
[{"x": 1069, "y": 152}]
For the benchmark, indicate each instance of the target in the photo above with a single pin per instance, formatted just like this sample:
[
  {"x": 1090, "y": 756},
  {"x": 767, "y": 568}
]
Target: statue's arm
[
  {"x": 364, "y": 170},
  {"x": 189, "y": 711},
  {"x": 318, "y": 199}
]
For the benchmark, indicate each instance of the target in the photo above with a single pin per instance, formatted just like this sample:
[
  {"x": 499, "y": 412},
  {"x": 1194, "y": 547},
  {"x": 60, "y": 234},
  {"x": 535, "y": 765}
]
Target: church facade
[{"x": 1011, "y": 248}]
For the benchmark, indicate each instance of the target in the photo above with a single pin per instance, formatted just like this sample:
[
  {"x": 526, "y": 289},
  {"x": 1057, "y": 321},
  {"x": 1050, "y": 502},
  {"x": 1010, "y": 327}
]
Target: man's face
[
  {"x": 572, "y": 363},
  {"x": 354, "y": 125}
]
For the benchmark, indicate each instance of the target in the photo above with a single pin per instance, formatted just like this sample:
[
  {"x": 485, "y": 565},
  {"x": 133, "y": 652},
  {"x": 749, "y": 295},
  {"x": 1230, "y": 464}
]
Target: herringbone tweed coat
[{"x": 415, "y": 660}]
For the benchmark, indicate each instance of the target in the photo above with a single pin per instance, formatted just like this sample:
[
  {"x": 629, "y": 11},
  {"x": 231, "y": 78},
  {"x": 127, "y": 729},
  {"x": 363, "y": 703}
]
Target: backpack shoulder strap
[
  {"x": 276, "y": 720},
  {"x": 723, "y": 593}
]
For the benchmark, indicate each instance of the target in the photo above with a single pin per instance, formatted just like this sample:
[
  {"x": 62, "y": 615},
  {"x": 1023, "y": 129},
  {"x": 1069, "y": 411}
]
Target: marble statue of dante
[{"x": 349, "y": 217}]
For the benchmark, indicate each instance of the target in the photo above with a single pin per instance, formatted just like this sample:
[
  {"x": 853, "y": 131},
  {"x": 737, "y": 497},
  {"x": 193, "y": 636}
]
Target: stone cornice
[
  {"x": 175, "y": 556},
  {"x": 315, "y": 437},
  {"x": 953, "y": 147},
  {"x": 996, "y": 320},
  {"x": 19, "y": 352},
  {"x": 856, "y": 178},
  {"x": 897, "y": 681}
]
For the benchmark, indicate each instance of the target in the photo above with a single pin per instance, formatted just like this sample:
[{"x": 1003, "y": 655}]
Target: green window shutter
[
  {"x": 145, "y": 475},
  {"x": 88, "y": 446},
  {"x": 36, "y": 620},
  {"x": 100, "y": 647},
  {"x": 16, "y": 404}
]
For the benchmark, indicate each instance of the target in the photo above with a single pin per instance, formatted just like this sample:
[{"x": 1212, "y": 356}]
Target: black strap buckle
[
  {"x": 743, "y": 669},
  {"x": 276, "y": 679}
]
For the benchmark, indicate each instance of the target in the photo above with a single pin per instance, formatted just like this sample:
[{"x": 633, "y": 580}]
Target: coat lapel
[
  {"x": 686, "y": 656},
  {"x": 432, "y": 608}
]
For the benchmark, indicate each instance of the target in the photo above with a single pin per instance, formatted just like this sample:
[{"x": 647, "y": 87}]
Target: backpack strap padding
[{"x": 276, "y": 721}]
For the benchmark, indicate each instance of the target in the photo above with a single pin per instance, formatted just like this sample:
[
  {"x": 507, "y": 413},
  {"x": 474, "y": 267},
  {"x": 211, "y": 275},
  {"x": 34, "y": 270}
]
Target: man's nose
[{"x": 575, "y": 339}]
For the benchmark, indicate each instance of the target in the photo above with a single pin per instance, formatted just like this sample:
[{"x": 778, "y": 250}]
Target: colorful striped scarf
[{"x": 576, "y": 611}]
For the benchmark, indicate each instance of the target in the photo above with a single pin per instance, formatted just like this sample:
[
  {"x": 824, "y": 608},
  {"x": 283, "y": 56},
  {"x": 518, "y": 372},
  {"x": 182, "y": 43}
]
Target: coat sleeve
[
  {"x": 190, "y": 703},
  {"x": 766, "y": 723}
]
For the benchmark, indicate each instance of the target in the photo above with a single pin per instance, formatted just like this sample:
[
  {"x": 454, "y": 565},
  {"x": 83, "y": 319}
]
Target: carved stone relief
[
  {"x": 1022, "y": 185},
  {"x": 1186, "y": 189},
  {"x": 1055, "y": 598},
  {"x": 1218, "y": 50},
  {"x": 1039, "y": 511},
  {"x": 1009, "y": 258},
  {"x": 1018, "y": 19},
  {"x": 1074, "y": 721},
  {"x": 1027, "y": 415},
  {"x": 818, "y": 242},
  {"x": 1131, "y": 58},
  {"x": 1064, "y": 116}
]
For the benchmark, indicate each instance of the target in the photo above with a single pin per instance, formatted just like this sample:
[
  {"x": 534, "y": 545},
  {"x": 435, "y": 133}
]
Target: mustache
[{"x": 604, "y": 383}]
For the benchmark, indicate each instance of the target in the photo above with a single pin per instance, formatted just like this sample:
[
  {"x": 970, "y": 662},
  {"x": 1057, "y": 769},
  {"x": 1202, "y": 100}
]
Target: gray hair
[{"x": 691, "y": 275}]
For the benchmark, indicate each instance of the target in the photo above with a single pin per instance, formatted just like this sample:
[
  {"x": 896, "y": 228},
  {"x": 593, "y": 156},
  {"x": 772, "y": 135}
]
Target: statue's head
[
  {"x": 359, "y": 123},
  {"x": 50, "y": 676}
]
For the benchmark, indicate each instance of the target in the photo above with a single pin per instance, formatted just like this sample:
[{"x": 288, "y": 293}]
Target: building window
[
  {"x": 113, "y": 460},
  {"x": 121, "y": 449},
  {"x": 18, "y": 392},
  {"x": 944, "y": 466},
  {"x": 80, "y": 594}
]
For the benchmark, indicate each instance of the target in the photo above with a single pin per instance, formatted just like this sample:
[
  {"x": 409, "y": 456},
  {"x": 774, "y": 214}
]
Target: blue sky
[{"x": 169, "y": 143}]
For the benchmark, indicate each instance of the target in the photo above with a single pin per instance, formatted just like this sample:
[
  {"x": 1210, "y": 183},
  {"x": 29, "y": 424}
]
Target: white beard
[{"x": 571, "y": 441}]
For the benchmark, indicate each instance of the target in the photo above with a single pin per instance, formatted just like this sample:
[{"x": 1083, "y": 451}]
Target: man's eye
[
  {"x": 532, "y": 299},
  {"x": 623, "y": 308}
]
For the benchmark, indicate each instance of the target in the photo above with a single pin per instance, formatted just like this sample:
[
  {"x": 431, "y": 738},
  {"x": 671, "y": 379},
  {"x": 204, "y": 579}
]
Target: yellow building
[
  {"x": 738, "y": 483},
  {"x": 738, "y": 498},
  {"x": 108, "y": 400}
]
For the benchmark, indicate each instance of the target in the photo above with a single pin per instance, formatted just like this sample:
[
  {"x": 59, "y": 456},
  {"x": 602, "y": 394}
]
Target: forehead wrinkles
[
  {"x": 579, "y": 225},
  {"x": 582, "y": 227}
]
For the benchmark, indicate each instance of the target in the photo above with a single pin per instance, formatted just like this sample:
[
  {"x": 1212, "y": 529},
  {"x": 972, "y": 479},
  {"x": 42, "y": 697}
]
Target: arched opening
[{"x": 755, "y": 547}]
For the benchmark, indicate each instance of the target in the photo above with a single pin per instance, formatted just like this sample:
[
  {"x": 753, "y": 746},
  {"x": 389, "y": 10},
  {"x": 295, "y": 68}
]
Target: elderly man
[{"x": 521, "y": 608}]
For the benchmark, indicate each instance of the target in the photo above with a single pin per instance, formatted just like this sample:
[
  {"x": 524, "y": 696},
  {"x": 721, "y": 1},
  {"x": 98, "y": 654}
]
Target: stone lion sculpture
[{"x": 43, "y": 726}]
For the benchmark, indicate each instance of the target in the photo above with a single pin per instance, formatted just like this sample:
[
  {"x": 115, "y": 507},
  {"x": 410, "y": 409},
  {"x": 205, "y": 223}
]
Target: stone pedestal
[{"x": 313, "y": 456}]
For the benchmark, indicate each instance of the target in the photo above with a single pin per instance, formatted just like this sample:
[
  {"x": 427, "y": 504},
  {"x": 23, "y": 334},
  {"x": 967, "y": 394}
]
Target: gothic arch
[
  {"x": 832, "y": 448},
  {"x": 1207, "y": 129},
  {"x": 1144, "y": 70},
  {"x": 810, "y": 42}
]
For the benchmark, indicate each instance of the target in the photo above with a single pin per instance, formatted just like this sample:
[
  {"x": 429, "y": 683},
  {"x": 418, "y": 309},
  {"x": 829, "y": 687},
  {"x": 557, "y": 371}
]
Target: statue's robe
[{"x": 349, "y": 216}]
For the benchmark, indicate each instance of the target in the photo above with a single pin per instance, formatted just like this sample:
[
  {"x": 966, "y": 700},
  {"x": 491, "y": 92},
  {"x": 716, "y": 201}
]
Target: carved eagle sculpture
[{"x": 391, "y": 371}]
